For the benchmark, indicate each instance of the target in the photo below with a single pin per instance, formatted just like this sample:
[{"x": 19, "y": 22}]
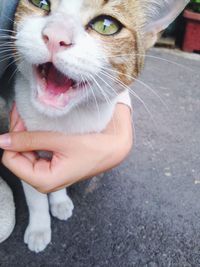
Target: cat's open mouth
[{"x": 54, "y": 88}]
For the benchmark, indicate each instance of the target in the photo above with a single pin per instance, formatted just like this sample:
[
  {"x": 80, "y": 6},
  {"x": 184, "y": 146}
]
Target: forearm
[{"x": 119, "y": 140}]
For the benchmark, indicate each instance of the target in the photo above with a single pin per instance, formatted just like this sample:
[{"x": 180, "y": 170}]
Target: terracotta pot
[{"x": 191, "y": 41}]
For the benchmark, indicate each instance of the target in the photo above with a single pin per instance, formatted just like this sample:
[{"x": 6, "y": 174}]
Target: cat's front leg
[
  {"x": 38, "y": 233},
  {"x": 61, "y": 205}
]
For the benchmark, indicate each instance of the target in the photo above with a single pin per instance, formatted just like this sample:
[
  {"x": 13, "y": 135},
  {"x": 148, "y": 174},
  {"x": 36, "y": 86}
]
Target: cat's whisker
[
  {"x": 7, "y": 51},
  {"x": 149, "y": 56},
  {"x": 14, "y": 72},
  {"x": 8, "y": 45},
  {"x": 84, "y": 87},
  {"x": 132, "y": 92},
  {"x": 137, "y": 97},
  {"x": 11, "y": 63},
  {"x": 116, "y": 94},
  {"x": 9, "y": 55},
  {"x": 96, "y": 102},
  {"x": 4, "y": 37},
  {"x": 6, "y": 58},
  {"x": 5, "y": 42},
  {"x": 108, "y": 101},
  {"x": 6, "y": 30},
  {"x": 142, "y": 55},
  {"x": 91, "y": 89},
  {"x": 104, "y": 93},
  {"x": 142, "y": 83},
  {"x": 9, "y": 19},
  {"x": 86, "y": 78}
]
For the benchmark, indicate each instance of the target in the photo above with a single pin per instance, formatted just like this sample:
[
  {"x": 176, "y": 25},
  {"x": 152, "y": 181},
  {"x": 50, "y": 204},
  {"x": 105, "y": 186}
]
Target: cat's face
[{"x": 77, "y": 51}]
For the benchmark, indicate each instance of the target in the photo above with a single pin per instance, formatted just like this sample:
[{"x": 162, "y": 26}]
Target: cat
[{"x": 74, "y": 58}]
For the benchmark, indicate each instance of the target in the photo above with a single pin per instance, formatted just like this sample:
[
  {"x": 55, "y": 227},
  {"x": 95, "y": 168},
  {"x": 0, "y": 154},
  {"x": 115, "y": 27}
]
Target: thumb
[
  {"x": 32, "y": 141},
  {"x": 19, "y": 140}
]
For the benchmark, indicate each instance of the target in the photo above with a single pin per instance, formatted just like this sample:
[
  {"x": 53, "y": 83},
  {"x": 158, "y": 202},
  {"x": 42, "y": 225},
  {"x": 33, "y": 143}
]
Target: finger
[
  {"x": 13, "y": 161},
  {"x": 31, "y": 156},
  {"x": 32, "y": 141},
  {"x": 37, "y": 174}
]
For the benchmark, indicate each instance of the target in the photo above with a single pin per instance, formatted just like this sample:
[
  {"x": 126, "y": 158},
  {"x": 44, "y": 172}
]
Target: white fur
[
  {"x": 89, "y": 112},
  {"x": 7, "y": 211}
]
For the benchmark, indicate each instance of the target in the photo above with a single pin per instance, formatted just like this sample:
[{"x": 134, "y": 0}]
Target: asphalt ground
[{"x": 146, "y": 212}]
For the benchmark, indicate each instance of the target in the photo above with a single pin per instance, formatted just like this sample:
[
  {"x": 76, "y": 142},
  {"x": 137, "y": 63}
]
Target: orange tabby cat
[{"x": 74, "y": 58}]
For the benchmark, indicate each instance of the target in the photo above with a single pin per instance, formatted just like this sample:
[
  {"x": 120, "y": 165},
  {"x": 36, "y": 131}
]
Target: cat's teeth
[
  {"x": 43, "y": 73},
  {"x": 61, "y": 97},
  {"x": 40, "y": 92}
]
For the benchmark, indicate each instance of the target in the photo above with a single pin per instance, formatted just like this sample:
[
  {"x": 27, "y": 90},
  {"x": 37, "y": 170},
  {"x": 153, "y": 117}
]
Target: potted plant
[
  {"x": 195, "y": 5},
  {"x": 191, "y": 41}
]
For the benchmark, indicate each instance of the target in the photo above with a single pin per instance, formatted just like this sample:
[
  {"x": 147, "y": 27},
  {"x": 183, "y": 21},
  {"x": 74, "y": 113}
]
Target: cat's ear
[{"x": 159, "y": 14}]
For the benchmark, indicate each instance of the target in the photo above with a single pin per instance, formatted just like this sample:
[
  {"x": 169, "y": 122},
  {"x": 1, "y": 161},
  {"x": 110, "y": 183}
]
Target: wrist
[{"x": 123, "y": 147}]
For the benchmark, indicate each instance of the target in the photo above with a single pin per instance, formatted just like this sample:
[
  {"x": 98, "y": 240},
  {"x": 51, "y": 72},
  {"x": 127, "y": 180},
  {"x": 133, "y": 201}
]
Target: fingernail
[{"x": 5, "y": 141}]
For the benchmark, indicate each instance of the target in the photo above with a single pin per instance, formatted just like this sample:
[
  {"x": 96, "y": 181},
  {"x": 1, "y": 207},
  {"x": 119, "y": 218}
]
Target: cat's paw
[
  {"x": 62, "y": 210},
  {"x": 37, "y": 240}
]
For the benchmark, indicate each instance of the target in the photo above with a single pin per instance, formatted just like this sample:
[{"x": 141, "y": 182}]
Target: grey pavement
[{"x": 146, "y": 212}]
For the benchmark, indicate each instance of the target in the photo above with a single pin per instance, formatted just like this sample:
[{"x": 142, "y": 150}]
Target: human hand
[{"x": 75, "y": 157}]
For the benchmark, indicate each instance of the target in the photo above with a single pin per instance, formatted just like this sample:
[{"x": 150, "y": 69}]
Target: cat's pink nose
[{"x": 57, "y": 38}]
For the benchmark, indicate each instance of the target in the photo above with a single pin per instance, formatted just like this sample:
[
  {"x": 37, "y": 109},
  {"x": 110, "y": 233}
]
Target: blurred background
[{"x": 185, "y": 31}]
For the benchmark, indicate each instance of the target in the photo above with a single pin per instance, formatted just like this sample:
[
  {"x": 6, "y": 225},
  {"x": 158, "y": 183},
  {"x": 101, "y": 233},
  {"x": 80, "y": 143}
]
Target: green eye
[
  {"x": 43, "y": 4},
  {"x": 106, "y": 25}
]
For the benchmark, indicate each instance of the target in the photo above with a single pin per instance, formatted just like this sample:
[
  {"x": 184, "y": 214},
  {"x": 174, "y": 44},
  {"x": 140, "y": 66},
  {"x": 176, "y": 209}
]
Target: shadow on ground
[{"x": 147, "y": 211}]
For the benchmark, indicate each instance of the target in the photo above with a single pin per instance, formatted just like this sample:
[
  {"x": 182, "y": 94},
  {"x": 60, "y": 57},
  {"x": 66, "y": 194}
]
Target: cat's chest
[{"x": 74, "y": 123}]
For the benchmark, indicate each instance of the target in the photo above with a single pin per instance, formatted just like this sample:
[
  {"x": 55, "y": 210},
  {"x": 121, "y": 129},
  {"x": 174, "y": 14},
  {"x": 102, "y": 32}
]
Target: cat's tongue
[
  {"x": 57, "y": 83},
  {"x": 54, "y": 88}
]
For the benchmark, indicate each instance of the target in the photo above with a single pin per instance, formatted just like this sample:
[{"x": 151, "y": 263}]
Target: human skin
[{"x": 75, "y": 158}]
